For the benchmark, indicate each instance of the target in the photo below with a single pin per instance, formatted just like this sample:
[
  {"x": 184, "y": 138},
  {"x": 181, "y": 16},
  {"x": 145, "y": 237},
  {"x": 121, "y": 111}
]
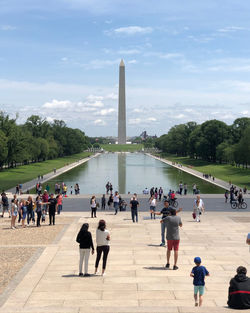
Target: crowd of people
[
  {"x": 27, "y": 211},
  {"x": 235, "y": 194}
]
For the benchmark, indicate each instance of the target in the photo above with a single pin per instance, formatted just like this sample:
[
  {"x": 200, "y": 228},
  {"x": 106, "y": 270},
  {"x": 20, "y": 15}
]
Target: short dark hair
[
  {"x": 173, "y": 211},
  {"x": 241, "y": 270}
]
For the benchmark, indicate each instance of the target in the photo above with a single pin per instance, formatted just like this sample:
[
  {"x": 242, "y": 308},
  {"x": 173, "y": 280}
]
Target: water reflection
[
  {"x": 122, "y": 172},
  {"x": 129, "y": 172}
]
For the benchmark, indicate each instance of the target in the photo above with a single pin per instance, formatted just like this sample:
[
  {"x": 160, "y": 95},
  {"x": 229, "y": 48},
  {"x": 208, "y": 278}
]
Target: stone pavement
[
  {"x": 136, "y": 280},
  {"x": 32, "y": 183},
  {"x": 218, "y": 182}
]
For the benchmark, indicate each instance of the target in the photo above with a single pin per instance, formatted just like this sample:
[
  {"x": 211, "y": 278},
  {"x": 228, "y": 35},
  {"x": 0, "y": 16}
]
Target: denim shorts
[{"x": 200, "y": 289}]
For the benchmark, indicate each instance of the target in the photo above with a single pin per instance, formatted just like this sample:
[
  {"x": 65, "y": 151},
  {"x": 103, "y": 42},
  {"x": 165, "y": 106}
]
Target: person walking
[
  {"x": 199, "y": 208},
  {"x": 84, "y": 238},
  {"x": 116, "y": 200},
  {"x": 93, "y": 206},
  {"x": 39, "y": 204},
  {"x": 30, "y": 210},
  {"x": 160, "y": 192},
  {"x": 52, "y": 209},
  {"x": 14, "y": 211},
  {"x": 103, "y": 202},
  {"x": 173, "y": 222},
  {"x": 134, "y": 204},
  {"x": 152, "y": 203},
  {"x": 185, "y": 189},
  {"x": 59, "y": 199},
  {"x": 103, "y": 245},
  {"x": 180, "y": 187},
  {"x": 165, "y": 212},
  {"x": 199, "y": 273}
]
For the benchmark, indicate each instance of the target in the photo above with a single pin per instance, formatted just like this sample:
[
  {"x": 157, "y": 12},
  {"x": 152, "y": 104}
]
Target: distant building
[{"x": 144, "y": 135}]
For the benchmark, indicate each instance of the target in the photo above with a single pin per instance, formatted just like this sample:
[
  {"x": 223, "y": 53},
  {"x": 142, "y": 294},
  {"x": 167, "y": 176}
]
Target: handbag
[{"x": 194, "y": 215}]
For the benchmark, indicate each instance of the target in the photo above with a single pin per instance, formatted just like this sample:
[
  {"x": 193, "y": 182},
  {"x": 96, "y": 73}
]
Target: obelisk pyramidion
[{"x": 122, "y": 106}]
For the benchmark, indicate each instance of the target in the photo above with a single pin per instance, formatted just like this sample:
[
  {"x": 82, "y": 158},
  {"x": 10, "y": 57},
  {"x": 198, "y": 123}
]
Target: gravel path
[{"x": 17, "y": 246}]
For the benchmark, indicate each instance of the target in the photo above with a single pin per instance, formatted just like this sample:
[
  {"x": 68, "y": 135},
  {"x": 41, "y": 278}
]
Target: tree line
[
  {"x": 37, "y": 140},
  {"x": 213, "y": 141}
]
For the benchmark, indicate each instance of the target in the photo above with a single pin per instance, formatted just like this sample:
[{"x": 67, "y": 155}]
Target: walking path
[
  {"x": 218, "y": 182},
  {"x": 136, "y": 280},
  {"x": 32, "y": 184}
]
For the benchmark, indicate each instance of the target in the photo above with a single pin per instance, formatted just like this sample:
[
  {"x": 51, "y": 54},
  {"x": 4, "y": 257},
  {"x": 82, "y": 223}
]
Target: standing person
[
  {"x": 45, "y": 199},
  {"x": 111, "y": 188},
  {"x": 199, "y": 208},
  {"x": 103, "y": 202},
  {"x": 239, "y": 290},
  {"x": 107, "y": 188},
  {"x": 134, "y": 204},
  {"x": 5, "y": 204},
  {"x": 156, "y": 193},
  {"x": 39, "y": 204},
  {"x": 180, "y": 187},
  {"x": 14, "y": 211},
  {"x": 29, "y": 210},
  {"x": 152, "y": 203},
  {"x": 110, "y": 201},
  {"x": 173, "y": 222},
  {"x": 185, "y": 189},
  {"x": 47, "y": 188},
  {"x": 52, "y": 209},
  {"x": 194, "y": 189},
  {"x": 240, "y": 196},
  {"x": 164, "y": 212},
  {"x": 93, "y": 206},
  {"x": 59, "y": 200},
  {"x": 24, "y": 212},
  {"x": 226, "y": 196},
  {"x": 199, "y": 273},
  {"x": 152, "y": 191},
  {"x": 160, "y": 193},
  {"x": 84, "y": 238},
  {"x": 116, "y": 200},
  {"x": 103, "y": 242},
  {"x": 75, "y": 187}
]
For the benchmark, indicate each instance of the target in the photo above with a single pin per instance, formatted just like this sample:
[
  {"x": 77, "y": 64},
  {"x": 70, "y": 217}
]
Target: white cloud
[
  {"x": 99, "y": 122},
  {"x": 64, "y": 59},
  {"x": 134, "y": 121},
  {"x": 57, "y": 104},
  {"x": 98, "y": 64},
  {"x": 245, "y": 112},
  {"x": 151, "y": 119},
  {"x": 180, "y": 116},
  {"x": 7, "y": 27},
  {"x": 137, "y": 110},
  {"x": 95, "y": 104},
  {"x": 132, "y": 62},
  {"x": 111, "y": 96},
  {"x": 94, "y": 98},
  {"x": 129, "y": 51},
  {"x": 231, "y": 29},
  {"x": 133, "y": 30},
  {"x": 105, "y": 111}
]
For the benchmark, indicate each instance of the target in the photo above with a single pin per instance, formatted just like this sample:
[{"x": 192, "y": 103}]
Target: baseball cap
[{"x": 197, "y": 260}]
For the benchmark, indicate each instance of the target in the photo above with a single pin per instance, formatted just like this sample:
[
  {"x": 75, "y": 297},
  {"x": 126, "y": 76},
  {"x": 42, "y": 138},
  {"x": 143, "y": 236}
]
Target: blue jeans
[
  {"x": 59, "y": 208},
  {"x": 134, "y": 214},
  {"x": 116, "y": 206},
  {"x": 163, "y": 228}
]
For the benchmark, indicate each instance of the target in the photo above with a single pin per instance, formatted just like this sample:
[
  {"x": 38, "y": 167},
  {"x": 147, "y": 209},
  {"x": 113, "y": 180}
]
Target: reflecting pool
[{"x": 129, "y": 172}]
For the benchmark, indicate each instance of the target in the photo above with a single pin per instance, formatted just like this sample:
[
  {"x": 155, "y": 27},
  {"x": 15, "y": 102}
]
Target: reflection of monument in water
[
  {"x": 122, "y": 106},
  {"x": 122, "y": 172}
]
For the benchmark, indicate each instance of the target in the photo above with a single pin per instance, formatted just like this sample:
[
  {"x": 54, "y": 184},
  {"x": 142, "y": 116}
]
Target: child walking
[{"x": 198, "y": 273}]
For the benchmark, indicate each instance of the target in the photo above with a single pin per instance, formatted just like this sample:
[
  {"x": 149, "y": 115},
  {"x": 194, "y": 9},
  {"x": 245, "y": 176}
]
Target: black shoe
[
  {"x": 86, "y": 275},
  {"x": 167, "y": 265},
  {"x": 175, "y": 267},
  {"x": 80, "y": 274}
]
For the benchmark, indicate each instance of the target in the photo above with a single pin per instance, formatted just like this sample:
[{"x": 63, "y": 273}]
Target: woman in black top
[{"x": 84, "y": 238}]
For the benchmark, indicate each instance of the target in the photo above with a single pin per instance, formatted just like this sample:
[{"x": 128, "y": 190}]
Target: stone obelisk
[{"x": 122, "y": 106}]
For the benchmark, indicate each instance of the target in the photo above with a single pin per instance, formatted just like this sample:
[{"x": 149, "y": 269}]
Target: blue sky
[{"x": 185, "y": 60}]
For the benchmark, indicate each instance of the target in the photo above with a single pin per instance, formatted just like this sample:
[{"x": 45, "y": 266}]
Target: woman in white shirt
[
  {"x": 199, "y": 208},
  {"x": 152, "y": 202},
  {"x": 93, "y": 206},
  {"x": 102, "y": 242}
]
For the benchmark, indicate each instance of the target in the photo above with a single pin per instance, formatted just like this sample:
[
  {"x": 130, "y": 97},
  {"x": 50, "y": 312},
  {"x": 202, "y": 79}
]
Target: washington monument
[{"x": 122, "y": 106}]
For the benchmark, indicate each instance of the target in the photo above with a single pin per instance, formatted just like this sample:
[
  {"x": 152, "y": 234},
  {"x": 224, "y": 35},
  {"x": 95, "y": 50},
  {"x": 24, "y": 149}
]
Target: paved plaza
[{"x": 136, "y": 280}]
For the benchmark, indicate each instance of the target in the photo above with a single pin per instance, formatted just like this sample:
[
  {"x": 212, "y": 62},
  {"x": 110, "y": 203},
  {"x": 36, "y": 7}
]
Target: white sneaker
[{"x": 13, "y": 227}]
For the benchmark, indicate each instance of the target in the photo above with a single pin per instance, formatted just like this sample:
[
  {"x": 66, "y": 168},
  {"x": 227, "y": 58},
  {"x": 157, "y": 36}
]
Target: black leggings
[
  {"x": 105, "y": 250},
  {"x": 93, "y": 212},
  {"x": 38, "y": 218}
]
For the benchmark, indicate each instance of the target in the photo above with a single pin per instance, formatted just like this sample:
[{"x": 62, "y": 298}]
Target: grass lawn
[
  {"x": 122, "y": 148},
  {"x": 11, "y": 177},
  {"x": 226, "y": 172}
]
